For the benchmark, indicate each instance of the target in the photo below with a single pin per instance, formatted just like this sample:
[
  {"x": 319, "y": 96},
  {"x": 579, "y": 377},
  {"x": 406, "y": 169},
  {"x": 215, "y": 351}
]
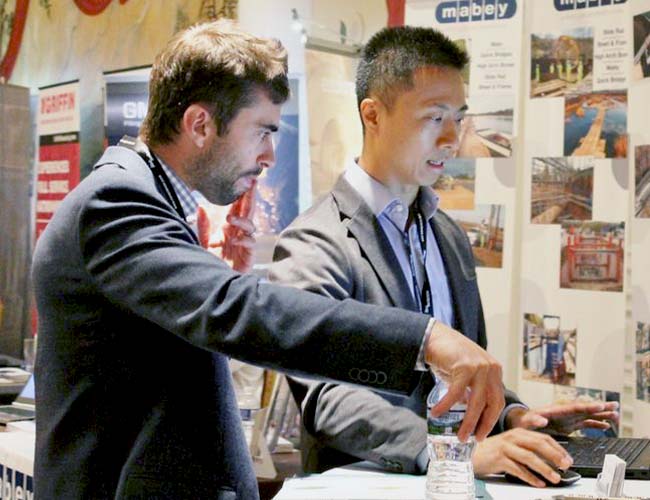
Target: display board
[
  {"x": 575, "y": 232},
  {"x": 126, "y": 95},
  {"x": 478, "y": 189},
  {"x": 58, "y": 121},
  {"x": 639, "y": 129},
  {"x": 335, "y": 135}
]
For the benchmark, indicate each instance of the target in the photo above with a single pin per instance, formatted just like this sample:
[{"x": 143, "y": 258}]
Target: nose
[
  {"x": 449, "y": 138},
  {"x": 266, "y": 159}
]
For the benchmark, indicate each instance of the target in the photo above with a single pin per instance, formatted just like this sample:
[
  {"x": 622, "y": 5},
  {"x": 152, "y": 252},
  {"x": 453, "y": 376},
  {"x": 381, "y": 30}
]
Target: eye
[{"x": 436, "y": 118}]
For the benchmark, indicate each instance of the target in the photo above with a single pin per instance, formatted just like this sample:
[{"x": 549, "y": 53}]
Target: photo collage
[{"x": 486, "y": 132}]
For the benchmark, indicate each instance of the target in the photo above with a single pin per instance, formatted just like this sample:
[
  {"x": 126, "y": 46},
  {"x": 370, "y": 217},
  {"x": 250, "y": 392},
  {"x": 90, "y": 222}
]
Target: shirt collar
[
  {"x": 382, "y": 202},
  {"x": 187, "y": 198}
]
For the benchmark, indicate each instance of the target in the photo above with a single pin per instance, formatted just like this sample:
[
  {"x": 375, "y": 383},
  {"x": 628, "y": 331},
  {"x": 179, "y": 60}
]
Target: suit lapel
[
  {"x": 365, "y": 228},
  {"x": 442, "y": 230}
]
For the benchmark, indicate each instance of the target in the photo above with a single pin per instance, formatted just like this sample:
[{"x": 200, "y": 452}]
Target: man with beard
[{"x": 133, "y": 310}]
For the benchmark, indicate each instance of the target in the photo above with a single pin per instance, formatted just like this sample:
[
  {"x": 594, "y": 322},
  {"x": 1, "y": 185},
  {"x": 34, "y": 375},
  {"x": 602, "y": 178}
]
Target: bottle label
[{"x": 448, "y": 423}]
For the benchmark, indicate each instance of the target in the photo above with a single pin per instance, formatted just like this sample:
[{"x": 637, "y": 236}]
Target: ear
[
  {"x": 198, "y": 125},
  {"x": 370, "y": 110}
]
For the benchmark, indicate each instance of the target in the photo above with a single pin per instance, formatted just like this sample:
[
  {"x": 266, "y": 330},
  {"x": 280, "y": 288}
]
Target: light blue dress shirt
[{"x": 392, "y": 215}]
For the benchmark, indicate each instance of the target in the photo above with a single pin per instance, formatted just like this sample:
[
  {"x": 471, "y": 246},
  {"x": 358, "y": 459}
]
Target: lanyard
[
  {"x": 423, "y": 299},
  {"x": 161, "y": 177},
  {"x": 156, "y": 169}
]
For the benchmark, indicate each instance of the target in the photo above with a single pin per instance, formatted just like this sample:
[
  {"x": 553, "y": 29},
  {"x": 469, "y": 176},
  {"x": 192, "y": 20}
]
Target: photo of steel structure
[
  {"x": 561, "y": 63},
  {"x": 642, "y": 181},
  {"x": 641, "y": 26},
  {"x": 549, "y": 353},
  {"x": 592, "y": 256},
  {"x": 596, "y": 125},
  {"x": 562, "y": 189},
  {"x": 643, "y": 361},
  {"x": 484, "y": 229},
  {"x": 455, "y": 186}
]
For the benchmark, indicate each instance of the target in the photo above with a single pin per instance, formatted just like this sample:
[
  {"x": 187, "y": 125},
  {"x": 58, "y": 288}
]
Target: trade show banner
[
  {"x": 335, "y": 135},
  {"x": 58, "y": 152},
  {"x": 575, "y": 227},
  {"x": 278, "y": 187},
  {"x": 478, "y": 188},
  {"x": 639, "y": 130},
  {"x": 126, "y": 95}
]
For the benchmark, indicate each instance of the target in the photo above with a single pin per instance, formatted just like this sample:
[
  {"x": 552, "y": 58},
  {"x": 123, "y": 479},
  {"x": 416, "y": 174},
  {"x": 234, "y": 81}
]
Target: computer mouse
[{"x": 567, "y": 477}]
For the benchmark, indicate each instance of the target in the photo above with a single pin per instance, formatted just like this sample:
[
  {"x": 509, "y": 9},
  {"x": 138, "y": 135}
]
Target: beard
[{"x": 215, "y": 173}]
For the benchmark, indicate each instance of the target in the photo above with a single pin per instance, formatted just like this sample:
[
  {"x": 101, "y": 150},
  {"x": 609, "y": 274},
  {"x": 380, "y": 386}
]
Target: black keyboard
[{"x": 587, "y": 452}]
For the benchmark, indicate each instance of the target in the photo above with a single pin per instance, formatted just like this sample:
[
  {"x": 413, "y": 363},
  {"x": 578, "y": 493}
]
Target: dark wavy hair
[{"x": 216, "y": 64}]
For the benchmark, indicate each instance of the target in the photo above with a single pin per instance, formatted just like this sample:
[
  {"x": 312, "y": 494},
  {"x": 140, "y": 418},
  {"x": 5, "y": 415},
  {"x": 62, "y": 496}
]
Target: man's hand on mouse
[{"x": 517, "y": 452}]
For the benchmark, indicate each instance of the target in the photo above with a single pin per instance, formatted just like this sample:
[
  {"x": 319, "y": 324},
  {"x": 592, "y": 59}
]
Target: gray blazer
[
  {"x": 338, "y": 249},
  {"x": 134, "y": 395}
]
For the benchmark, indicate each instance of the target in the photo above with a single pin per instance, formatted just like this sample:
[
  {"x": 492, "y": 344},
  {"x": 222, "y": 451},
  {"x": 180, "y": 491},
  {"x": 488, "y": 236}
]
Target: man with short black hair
[
  {"x": 134, "y": 394},
  {"x": 379, "y": 237}
]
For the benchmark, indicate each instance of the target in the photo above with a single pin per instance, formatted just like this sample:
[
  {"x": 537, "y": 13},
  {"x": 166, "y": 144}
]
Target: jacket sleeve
[
  {"x": 355, "y": 421},
  {"x": 143, "y": 258}
]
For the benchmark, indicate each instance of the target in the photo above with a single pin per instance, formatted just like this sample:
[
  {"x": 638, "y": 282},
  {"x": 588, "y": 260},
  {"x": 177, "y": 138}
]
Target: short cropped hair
[
  {"x": 216, "y": 64},
  {"x": 392, "y": 55}
]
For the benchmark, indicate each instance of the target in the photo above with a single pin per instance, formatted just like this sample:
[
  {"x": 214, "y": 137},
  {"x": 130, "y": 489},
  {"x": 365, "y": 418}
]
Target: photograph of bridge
[
  {"x": 549, "y": 353},
  {"x": 487, "y": 128},
  {"x": 642, "y": 181},
  {"x": 562, "y": 189},
  {"x": 455, "y": 186},
  {"x": 592, "y": 256},
  {"x": 641, "y": 68},
  {"x": 643, "y": 361},
  {"x": 484, "y": 227},
  {"x": 596, "y": 125},
  {"x": 561, "y": 63}
]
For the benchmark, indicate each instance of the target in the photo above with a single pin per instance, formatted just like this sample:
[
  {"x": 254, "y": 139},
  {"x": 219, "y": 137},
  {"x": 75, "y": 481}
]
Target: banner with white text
[{"x": 58, "y": 122}]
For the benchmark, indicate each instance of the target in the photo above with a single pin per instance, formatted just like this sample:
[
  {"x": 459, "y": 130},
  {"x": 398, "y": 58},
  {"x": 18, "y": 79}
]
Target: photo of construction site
[
  {"x": 642, "y": 181},
  {"x": 561, "y": 63},
  {"x": 643, "y": 361},
  {"x": 641, "y": 68},
  {"x": 549, "y": 353},
  {"x": 596, "y": 125},
  {"x": 566, "y": 394},
  {"x": 484, "y": 228},
  {"x": 455, "y": 186},
  {"x": 487, "y": 128},
  {"x": 562, "y": 189},
  {"x": 592, "y": 256}
]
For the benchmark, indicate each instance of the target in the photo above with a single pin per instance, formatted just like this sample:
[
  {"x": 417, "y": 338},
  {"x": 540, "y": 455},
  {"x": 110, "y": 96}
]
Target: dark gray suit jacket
[
  {"x": 338, "y": 249},
  {"x": 133, "y": 398}
]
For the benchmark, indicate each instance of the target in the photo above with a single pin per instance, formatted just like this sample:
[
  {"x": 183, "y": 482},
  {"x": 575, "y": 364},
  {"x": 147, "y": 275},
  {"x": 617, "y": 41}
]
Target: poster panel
[
  {"x": 639, "y": 168},
  {"x": 575, "y": 229},
  {"x": 478, "y": 188},
  {"x": 57, "y": 122},
  {"x": 126, "y": 95}
]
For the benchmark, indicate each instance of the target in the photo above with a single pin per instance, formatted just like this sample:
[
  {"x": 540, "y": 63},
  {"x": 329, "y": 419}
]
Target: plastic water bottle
[{"x": 450, "y": 475}]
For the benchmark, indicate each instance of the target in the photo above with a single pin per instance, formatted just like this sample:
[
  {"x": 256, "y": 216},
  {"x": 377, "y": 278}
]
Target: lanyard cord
[
  {"x": 423, "y": 299},
  {"x": 158, "y": 172}
]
